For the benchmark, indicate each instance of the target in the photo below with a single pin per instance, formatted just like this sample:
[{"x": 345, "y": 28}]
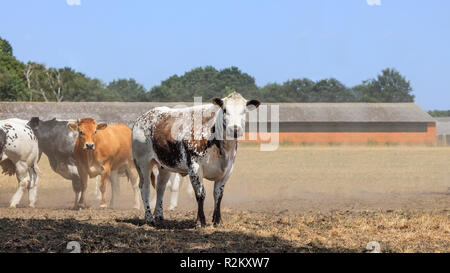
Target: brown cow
[{"x": 102, "y": 149}]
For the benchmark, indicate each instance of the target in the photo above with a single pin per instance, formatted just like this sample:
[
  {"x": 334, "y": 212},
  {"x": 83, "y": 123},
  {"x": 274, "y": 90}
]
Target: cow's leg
[
  {"x": 97, "y": 192},
  {"x": 175, "y": 185},
  {"x": 144, "y": 184},
  {"x": 196, "y": 177},
  {"x": 134, "y": 181},
  {"x": 154, "y": 173},
  {"x": 23, "y": 177},
  {"x": 32, "y": 189},
  {"x": 84, "y": 181},
  {"x": 163, "y": 177},
  {"x": 104, "y": 180},
  {"x": 114, "y": 188},
  {"x": 76, "y": 183},
  {"x": 218, "y": 194},
  {"x": 76, "y": 186}
]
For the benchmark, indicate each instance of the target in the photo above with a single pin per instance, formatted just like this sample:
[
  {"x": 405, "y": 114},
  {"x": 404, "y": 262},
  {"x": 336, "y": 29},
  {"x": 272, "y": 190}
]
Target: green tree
[
  {"x": 439, "y": 113},
  {"x": 205, "y": 82},
  {"x": 12, "y": 81},
  {"x": 390, "y": 86},
  {"x": 79, "y": 87},
  {"x": 305, "y": 90},
  {"x": 233, "y": 78},
  {"x": 271, "y": 92},
  {"x": 297, "y": 90},
  {"x": 127, "y": 90},
  {"x": 330, "y": 90},
  {"x": 12, "y": 86},
  {"x": 5, "y": 47}
]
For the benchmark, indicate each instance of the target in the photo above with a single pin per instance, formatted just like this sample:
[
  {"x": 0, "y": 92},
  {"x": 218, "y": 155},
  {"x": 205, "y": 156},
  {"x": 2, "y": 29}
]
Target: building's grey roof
[
  {"x": 442, "y": 126},
  {"x": 288, "y": 112},
  {"x": 353, "y": 112}
]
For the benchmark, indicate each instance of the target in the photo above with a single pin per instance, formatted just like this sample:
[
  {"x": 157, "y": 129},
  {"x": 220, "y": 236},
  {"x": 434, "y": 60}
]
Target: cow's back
[
  {"x": 20, "y": 144},
  {"x": 21, "y": 141},
  {"x": 56, "y": 140}
]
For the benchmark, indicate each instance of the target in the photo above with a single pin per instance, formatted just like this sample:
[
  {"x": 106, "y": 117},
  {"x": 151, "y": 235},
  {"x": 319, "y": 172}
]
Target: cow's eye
[
  {"x": 224, "y": 111},
  {"x": 81, "y": 132}
]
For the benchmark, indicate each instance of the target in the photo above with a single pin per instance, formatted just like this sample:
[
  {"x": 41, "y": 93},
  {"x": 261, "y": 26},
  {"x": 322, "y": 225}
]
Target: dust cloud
[{"x": 294, "y": 179}]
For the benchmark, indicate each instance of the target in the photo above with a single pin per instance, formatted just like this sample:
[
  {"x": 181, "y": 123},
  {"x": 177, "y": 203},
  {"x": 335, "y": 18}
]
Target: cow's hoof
[
  {"x": 149, "y": 220},
  {"x": 200, "y": 225},
  {"x": 103, "y": 206},
  {"x": 12, "y": 206},
  {"x": 80, "y": 207},
  {"x": 217, "y": 224},
  {"x": 159, "y": 218},
  {"x": 32, "y": 206}
]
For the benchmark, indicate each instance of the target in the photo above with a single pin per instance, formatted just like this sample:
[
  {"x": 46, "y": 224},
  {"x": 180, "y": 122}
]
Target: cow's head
[
  {"x": 34, "y": 125},
  {"x": 234, "y": 107},
  {"x": 87, "y": 129}
]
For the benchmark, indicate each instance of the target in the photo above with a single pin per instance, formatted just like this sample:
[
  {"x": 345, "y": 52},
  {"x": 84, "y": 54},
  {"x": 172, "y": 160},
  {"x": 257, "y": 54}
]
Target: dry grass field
[{"x": 296, "y": 199}]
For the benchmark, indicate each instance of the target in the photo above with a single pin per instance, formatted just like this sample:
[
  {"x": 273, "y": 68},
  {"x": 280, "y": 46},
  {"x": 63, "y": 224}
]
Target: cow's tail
[
  {"x": 36, "y": 169},
  {"x": 141, "y": 176},
  {"x": 35, "y": 165}
]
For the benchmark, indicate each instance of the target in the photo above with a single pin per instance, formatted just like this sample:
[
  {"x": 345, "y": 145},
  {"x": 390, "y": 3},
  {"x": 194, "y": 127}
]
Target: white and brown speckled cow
[
  {"x": 199, "y": 141},
  {"x": 19, "y": 154}
]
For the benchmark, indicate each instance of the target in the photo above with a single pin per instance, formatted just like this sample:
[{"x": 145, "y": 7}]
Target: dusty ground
[{"x": 297, "y": 199}]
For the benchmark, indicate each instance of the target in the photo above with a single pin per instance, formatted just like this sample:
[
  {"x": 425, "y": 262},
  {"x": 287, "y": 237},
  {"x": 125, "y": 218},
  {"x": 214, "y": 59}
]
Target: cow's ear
[
  {"x": 72, "y": 126},
  {"x": 34, "y": 123},
  {"x": 101, "y": 126},
  {"x": 218, "y": 102},
  {"x": 253, "y": 104}
]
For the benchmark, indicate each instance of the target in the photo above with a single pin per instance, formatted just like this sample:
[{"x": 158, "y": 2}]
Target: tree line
[
  {"x": 36, "y": 82},
  {"x": 439, "y": 113}
]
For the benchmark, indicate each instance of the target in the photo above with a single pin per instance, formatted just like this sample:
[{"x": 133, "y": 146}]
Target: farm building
[
  {"x": 402, "y": 123},
  {"x": 325, "y": 123},
  {"x": 443, "y": 130}
]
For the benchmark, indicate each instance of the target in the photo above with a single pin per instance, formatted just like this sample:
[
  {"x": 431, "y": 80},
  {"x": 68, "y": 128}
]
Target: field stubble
[{"x": 297, "y": 199}]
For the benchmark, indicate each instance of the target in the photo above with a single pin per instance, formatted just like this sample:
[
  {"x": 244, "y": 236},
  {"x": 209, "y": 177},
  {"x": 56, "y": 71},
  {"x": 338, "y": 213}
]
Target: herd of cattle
[{"x": 163, "y": 145}]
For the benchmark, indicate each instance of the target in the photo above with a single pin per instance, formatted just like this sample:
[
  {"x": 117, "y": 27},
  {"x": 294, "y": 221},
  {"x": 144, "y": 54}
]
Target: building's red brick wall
[{"x": 428, "y": 137}]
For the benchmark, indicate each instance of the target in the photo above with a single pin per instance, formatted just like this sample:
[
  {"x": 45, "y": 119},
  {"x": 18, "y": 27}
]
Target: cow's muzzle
[
  {"x": 234, "y": 131},
  {"x": 89, "y": 146}
]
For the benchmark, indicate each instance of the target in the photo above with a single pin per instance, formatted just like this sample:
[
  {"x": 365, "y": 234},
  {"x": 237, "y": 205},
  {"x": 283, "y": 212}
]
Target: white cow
[
  {"x": 199, "y": 141},
  {"x": 19, "y": 154}
]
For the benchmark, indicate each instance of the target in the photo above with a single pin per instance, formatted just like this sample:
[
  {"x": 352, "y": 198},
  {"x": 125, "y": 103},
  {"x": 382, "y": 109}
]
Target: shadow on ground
[{"x": 130, "y": 235}]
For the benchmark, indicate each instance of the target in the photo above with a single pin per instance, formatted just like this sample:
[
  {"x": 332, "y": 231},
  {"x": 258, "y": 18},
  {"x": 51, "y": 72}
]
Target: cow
[
  {"x": 19, "y": 155},
  {"x": 102, "y": 149},
  {"x": 57, "y": 141},
  {"x": 199, "y": 141}
]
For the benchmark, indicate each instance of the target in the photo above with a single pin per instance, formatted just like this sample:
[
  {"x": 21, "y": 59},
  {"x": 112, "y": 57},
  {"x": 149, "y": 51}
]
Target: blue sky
[{"x": 271, "y": 40}]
